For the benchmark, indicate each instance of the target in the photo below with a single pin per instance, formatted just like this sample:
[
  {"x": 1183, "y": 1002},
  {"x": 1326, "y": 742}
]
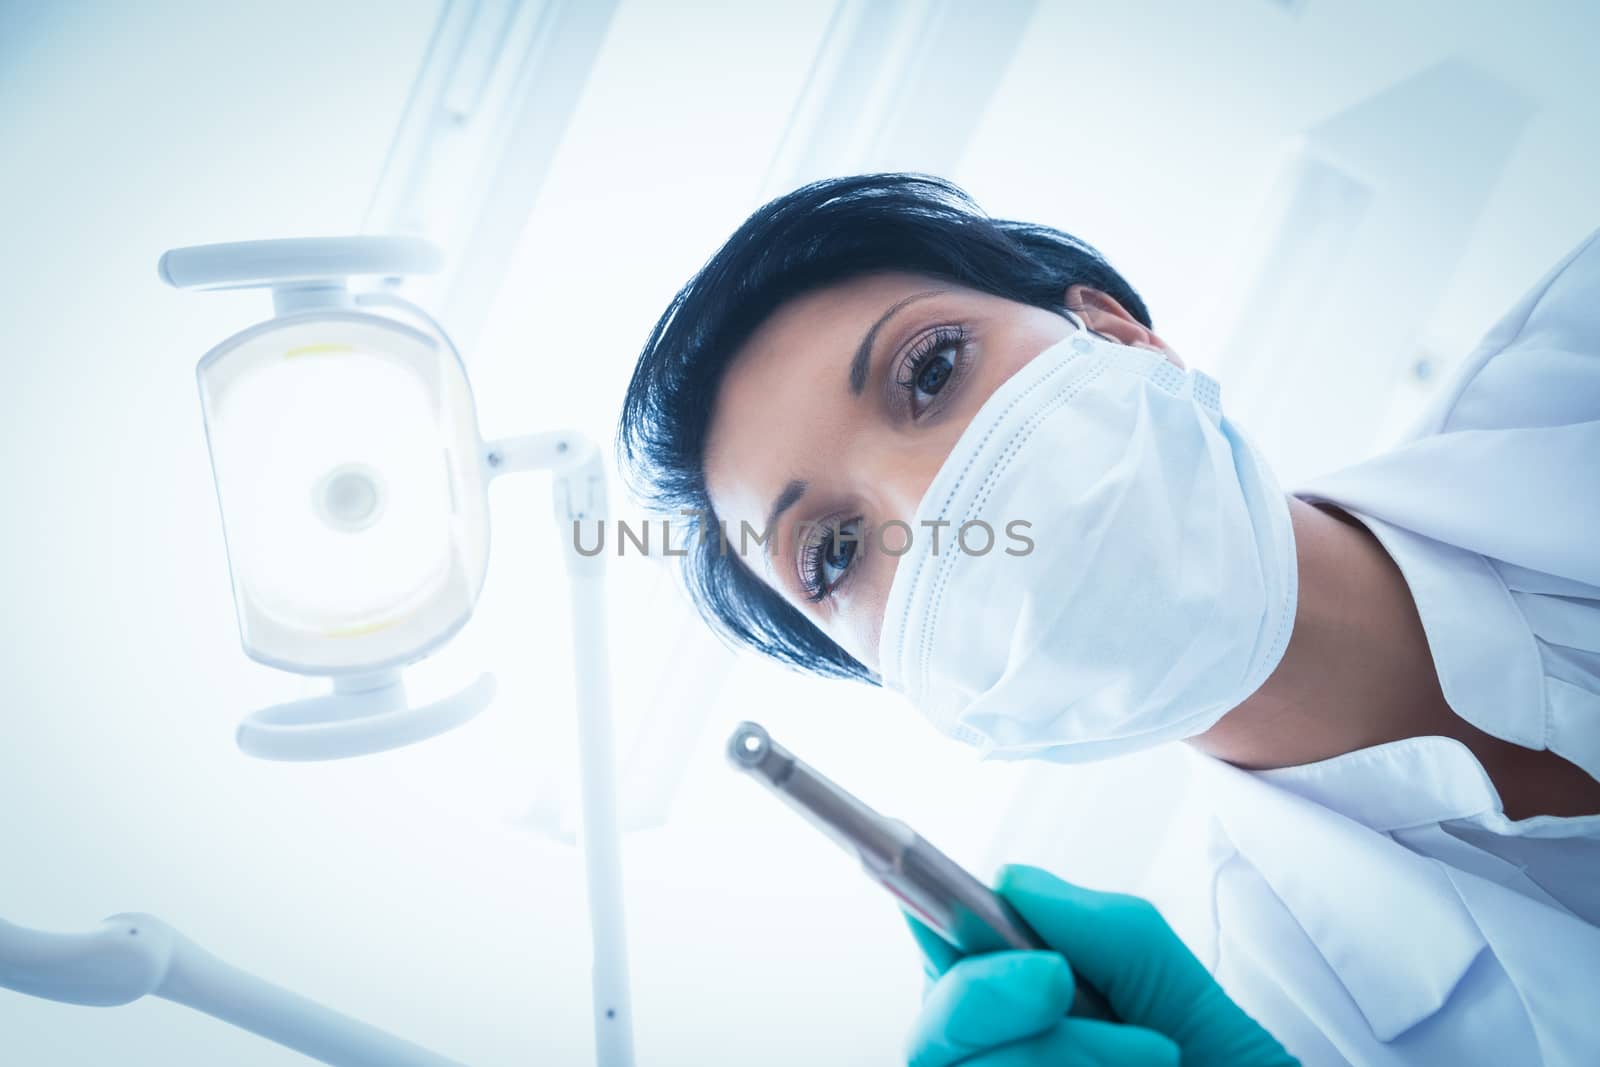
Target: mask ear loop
[{"x": 1077, "y": 320}]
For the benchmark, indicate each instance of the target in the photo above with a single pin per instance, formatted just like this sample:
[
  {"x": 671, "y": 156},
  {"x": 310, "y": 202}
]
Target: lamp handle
[
  {"x": 296, "y": 261},
  {"x": 356, "y": 722}
]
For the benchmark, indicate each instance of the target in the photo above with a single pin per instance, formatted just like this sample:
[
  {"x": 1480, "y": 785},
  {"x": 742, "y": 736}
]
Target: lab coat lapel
[{"x": 1388, "y": 922}]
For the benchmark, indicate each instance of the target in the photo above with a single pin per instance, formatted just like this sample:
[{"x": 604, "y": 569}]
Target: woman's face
[{"x": 838, "y": 412}]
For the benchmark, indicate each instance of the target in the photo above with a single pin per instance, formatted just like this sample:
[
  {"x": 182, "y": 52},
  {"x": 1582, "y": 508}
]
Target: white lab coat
[{"x": 1379, "y": 907}]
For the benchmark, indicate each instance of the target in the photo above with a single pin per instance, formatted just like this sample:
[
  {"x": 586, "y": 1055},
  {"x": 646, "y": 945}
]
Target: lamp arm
[
  {"x": 131, "y": 956},
  {"x": 578, "y": 498}
]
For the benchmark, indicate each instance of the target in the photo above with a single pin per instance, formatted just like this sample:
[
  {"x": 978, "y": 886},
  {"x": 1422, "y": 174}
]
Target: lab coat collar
[
  {"x": 1487, "y": 660},
  {"x": 1387, "y": 921},
  {"x": 1417, "y": 781}
]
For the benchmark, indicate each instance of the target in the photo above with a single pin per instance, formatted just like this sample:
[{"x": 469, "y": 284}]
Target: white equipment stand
[{"x": 131, "y": 956}]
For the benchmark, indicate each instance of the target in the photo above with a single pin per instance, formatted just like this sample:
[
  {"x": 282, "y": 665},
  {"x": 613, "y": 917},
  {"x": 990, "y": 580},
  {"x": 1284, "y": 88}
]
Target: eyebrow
[
  {"x": 863, "y": 357},
  {"x": 785, "y": 500}
]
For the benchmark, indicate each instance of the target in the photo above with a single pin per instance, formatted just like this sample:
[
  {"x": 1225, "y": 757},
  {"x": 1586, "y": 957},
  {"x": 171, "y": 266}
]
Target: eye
[
  {"x": 829, "y": 550},
  {"x": 928, "y": 366}
]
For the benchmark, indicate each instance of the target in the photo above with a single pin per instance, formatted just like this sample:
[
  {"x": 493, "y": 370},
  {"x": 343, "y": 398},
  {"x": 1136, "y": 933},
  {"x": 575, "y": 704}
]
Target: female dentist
[{"x": 978, "y": 477}]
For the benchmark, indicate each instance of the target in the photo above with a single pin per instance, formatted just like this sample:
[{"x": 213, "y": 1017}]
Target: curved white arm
[
  {"x": 296, "y": 260},
  {"x": 361, "y": 716},
  {"x": 119, "y": 962},
  {"x": 130, "y": 956}
]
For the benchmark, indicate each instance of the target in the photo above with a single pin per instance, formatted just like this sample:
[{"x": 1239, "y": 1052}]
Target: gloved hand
[{"x": 1009, "y": 1009}]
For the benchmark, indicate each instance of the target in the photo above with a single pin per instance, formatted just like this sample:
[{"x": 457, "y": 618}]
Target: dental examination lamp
[{"x": 353, "y": 488}]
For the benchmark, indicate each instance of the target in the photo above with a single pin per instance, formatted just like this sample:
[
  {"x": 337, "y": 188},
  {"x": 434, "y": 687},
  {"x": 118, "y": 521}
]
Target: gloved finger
[
  {"x": 989, "y": 1000},
  {"x": 1085, "y": 1043},
  {"x": 1119, "y": 944},
  {"x": 938, "y": 955}
]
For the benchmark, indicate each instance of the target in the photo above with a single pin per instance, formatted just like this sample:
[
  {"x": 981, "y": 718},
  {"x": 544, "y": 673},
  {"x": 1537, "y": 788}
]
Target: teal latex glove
[{"x": 1009, "y": 1009}]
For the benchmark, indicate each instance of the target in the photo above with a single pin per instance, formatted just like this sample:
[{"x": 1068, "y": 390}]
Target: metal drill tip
[{"x": 748, "y": 745}]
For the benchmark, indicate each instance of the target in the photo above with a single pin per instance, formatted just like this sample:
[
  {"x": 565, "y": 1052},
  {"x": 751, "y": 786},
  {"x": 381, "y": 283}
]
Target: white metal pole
[
  {"x": 598, "y": 827},
  {"x": 579, "y": 499}
]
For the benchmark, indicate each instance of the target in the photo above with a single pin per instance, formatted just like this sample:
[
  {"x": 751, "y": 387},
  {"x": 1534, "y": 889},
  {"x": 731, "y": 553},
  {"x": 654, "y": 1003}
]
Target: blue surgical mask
[{"x": 1159, "y": 589}]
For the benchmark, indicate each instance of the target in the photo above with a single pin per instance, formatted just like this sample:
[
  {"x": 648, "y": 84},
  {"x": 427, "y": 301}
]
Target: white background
[{"x": 399, "y": 888}]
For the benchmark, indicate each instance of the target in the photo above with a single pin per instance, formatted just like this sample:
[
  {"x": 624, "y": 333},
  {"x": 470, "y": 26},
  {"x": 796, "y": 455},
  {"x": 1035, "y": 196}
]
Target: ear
[{"x": 1104, "y": 315}]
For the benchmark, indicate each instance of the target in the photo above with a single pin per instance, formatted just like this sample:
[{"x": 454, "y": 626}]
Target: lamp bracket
[{"x": 304, "y": 273}]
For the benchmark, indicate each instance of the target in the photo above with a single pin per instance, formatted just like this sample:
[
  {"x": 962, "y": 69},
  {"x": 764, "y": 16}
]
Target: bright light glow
[
  {"x": 293, "y": 427},
  {"x": 332, "y": 455}
]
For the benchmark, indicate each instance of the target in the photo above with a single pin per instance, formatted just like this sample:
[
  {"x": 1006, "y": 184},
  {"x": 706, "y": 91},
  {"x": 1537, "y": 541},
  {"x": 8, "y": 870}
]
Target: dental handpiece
[{"x": 943, "y": 895}]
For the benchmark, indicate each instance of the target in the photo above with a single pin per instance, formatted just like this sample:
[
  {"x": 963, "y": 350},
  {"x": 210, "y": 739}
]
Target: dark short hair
[{"x": 819, "y": 235}]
